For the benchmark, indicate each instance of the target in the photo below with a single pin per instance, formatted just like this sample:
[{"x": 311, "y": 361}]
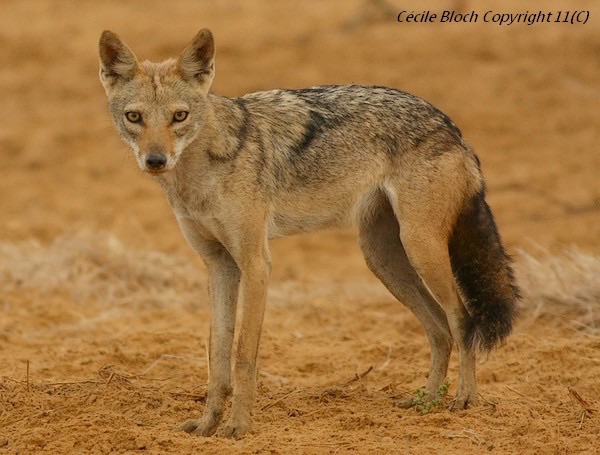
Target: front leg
[
  {"x": 256, "y": 269},
  {"x": 223, "y": 286}
]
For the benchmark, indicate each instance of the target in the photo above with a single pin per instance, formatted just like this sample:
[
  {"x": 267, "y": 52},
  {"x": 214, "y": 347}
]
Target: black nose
[{"x": 156, "y": 161}]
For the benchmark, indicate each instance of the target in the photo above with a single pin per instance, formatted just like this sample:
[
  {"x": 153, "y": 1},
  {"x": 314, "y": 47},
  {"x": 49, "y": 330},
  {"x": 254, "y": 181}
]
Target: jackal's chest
[
  {"x": 185, "y": 200},
  {"x": 205, "y": 222},
  {"x": 190, "y": 205},
  {"x": 186, "y": 205}
]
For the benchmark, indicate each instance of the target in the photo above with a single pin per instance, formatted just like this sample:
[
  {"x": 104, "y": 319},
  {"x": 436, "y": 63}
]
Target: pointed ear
[
  {"x": 117, "y": 61},
  {"x": 197, "y": 61}
]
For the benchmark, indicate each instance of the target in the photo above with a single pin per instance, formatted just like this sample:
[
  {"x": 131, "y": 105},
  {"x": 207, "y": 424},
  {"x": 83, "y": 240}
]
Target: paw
[
  {"x": 200, "y": 427},
  {"x": 235, "y": 428},
  {"x": 463, "y": 401}
]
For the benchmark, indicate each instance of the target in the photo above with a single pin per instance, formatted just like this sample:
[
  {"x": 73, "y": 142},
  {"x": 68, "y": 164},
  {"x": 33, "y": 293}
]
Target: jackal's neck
[{"x": 227, "y": 126}]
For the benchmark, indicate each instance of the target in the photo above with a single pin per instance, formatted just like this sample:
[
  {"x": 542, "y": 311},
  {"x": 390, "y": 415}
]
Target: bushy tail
[{"x": 484, "y": 275}]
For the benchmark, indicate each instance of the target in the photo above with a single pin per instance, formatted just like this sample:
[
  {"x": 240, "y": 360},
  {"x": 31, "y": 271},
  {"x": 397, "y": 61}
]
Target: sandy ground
[{"x": 104, "y": 310}]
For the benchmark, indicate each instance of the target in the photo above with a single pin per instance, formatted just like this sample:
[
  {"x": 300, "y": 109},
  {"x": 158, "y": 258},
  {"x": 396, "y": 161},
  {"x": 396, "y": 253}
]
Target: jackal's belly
[
  {"x": 281, "y": 225},
  {"x": 308, "y": 214}
]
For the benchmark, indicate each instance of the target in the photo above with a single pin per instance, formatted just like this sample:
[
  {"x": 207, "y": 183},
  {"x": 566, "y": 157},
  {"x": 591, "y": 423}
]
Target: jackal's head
[{"x": 158, "y": 108}]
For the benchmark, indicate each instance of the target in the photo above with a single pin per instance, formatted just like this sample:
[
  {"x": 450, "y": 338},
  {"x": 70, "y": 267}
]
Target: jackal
[{"x": 240, "y": 171}]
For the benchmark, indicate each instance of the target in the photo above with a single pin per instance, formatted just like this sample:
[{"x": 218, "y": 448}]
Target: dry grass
[
  {"x": 97, "y": 266},
  {"x": 564, "y": 288}
]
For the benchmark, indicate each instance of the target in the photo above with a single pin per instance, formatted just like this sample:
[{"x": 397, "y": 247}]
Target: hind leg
[
  {"x": 427, "y": 195},
  {"x": 426, "y": 246},
  {"x": 430, "y": 258},
  {"x": 380, "y": 243}
]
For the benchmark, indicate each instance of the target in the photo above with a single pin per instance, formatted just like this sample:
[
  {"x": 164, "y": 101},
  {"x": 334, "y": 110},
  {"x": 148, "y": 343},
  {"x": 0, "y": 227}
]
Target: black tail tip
[{"x": 485, "y": 331}]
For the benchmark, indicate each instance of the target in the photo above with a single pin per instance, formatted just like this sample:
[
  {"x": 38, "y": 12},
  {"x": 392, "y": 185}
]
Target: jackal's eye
[
  {"x": 133, "y": 116},
  {"x": 180, "y": 116}
]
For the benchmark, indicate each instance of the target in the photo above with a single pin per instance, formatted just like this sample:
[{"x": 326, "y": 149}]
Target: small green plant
[{"x": 423, "y": 402}]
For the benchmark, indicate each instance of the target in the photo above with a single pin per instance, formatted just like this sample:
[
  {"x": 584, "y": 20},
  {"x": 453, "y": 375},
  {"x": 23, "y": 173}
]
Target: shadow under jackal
[{"x": 240, "y": 171}]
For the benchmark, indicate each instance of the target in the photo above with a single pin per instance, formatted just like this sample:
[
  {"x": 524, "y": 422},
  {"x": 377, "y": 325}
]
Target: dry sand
[{"x": 104, "y": 309}]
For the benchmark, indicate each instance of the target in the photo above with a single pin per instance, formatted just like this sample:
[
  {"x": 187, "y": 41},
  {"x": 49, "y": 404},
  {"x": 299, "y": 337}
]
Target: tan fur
[{"x": 238, "y": 172}]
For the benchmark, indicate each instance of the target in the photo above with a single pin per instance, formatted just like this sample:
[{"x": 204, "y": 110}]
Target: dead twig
[
  {"x": 168, "y": 357},
  {"x": 514, "y": 391},
  {"x": 584, "y": 404},
  {"x": 270, "y": 405},
  {"x": 110, "y": 376},
  {"x": 59, "y": 383},
  {"x": 193, "y": 396},
  {"x": 358, "y": 377},
  {"x": 587, "y": 410},
  {"x": 471, "y": 435},
  {"x": 391, "y": 387},
  {"x": 6, "y": 378}
]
